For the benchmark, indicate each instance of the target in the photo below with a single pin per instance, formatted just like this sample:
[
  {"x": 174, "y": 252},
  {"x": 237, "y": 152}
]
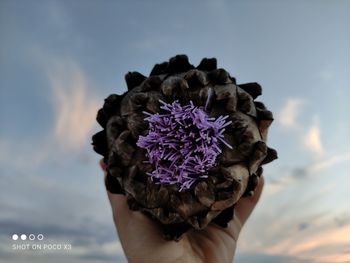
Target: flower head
[{"x": 183, "y": 143}]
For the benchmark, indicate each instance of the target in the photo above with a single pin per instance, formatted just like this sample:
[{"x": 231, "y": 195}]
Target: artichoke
[{"x": 184, "y": 144}]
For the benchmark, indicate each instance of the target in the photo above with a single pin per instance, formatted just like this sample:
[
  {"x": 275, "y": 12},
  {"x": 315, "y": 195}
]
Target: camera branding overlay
[{"x": 23, "y": 242}]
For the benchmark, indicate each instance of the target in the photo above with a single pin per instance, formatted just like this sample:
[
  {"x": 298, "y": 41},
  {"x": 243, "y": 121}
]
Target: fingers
[
  {"x": 118, "y": 202},
  {"x": 246, "y": 205},
  {"x": 121, "y": 212},
  {"x": 103, "y": 165},
  {"x": 128, "y": 222}
]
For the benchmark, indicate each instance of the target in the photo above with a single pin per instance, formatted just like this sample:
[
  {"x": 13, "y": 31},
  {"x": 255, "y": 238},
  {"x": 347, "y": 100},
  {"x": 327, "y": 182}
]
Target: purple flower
[{"x": 183, "y": 143}]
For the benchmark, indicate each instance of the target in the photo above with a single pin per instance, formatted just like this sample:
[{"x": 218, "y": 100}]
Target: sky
[{"x": 60, "y": 59}]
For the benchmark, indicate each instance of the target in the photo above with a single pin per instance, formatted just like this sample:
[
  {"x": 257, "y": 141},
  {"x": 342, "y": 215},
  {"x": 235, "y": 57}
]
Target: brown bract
[{"x": 211, "y": 199}]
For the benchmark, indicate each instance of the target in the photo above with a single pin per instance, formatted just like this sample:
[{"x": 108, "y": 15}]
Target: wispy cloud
[
  {"x": 328, "y": 163},
  {"x": 19, "y": 153},
  {"x": 288, "y": 116},
  {"x": 253, "y": 257},
  {"x": 75, "y": 108},
  {"x": 312, "y": 169},
  {"x": 312, "y": 138},
  {"x": 314, "y": 238},
  {"x": 74, "y": 111},
  {"x": 303, "y": 224},
  {"x": 275, "y": 186},
  {"x": 336, "y": 235},
  {"x": 313, "y": 244}
]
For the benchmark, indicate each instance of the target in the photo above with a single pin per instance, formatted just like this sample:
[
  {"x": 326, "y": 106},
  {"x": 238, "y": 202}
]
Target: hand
[{"x": 142, "y": 241}]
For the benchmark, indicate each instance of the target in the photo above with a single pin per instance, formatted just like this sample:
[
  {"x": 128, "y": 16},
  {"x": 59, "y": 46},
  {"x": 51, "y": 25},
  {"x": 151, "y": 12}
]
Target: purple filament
[{"x": 183, "y": 143}]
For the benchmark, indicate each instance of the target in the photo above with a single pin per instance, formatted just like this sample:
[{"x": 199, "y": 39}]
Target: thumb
[{"x": 246, "y": 205}]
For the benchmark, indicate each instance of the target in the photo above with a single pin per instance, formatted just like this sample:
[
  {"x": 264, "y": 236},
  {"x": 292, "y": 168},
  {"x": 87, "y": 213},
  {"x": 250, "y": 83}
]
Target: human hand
[{"x": 142, "y": 241}]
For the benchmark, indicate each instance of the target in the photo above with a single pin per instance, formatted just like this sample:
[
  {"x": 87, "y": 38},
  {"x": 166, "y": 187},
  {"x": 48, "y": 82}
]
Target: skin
[{"x": 142, "y": 241}]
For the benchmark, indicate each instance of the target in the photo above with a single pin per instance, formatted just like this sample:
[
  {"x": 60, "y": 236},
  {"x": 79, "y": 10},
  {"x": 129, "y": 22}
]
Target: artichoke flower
[{"x": 184, "y": 144}]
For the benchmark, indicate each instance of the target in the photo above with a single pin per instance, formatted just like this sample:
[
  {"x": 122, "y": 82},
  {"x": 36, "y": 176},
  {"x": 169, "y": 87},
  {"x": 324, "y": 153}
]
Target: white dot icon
[
  {"x": 40, "y": 237},
  {"x": 31, "y": 236},
  {"x": 23, "y": 237},
  {"x": 14, "y": 237}
]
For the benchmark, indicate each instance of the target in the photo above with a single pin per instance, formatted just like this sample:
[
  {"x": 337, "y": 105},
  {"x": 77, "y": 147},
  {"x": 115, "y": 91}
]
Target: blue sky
[{"x": 60, "y": 59}]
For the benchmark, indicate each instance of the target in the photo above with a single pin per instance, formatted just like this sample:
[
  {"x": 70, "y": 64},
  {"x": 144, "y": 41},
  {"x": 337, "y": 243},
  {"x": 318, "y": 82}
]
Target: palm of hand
[{"x": 142, "y": 240}]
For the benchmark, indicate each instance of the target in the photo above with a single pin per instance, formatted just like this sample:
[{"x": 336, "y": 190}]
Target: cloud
[
  {"x": 289, "y": 230},
  {"x": 312, "y": 138},
  {"x": 152, "y": 43},
  {"x": 288, "y": 115},
  {"x": 55, "y": 205},
  {"x": 108, "y": 252},
  {"x": 253, "y": 257},
  {"x": 301, "y": 224},
  {"x": 299, "y": 173},
  {"x": 316, "y": 242},
  {"x": 335, "y": 235},
  {"x": 3, "y": 150},
  {"x": 64, "y": 218},
  {"x": 328, "y": 245},
  {"x": 75, "y": 108},
  {"x": 277, "y": 185},
  {"x": 327, "y": 73},
  {"x": 328, "y": 163},
  {"x": 320, "y": 165},
  {"x": 74, "y": 113}
]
